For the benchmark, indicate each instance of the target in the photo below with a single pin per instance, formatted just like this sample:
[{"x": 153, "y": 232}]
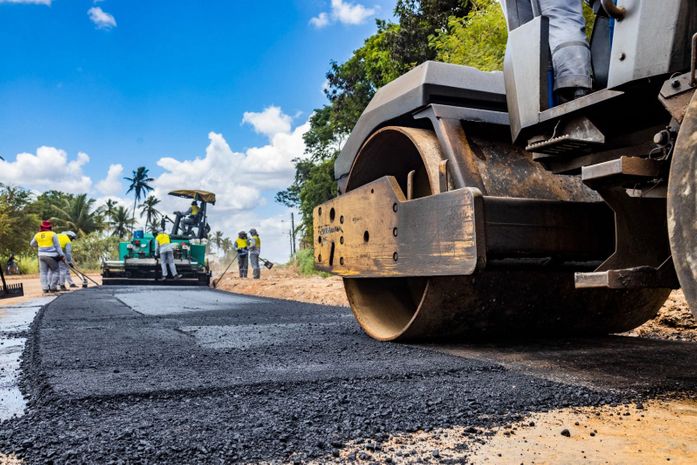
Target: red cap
[{"x": 46, "y": 225}]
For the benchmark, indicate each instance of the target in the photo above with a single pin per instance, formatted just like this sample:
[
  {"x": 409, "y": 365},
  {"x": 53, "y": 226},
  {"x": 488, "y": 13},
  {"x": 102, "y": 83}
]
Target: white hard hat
[{"x": 70, "y": 234}]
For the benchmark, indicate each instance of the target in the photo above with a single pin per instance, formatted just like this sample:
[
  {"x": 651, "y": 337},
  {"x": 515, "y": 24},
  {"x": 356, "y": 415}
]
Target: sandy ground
[
  {"x": 32, "y": 288},
  {"x": 284, "y": 282},
  {"x": 655, "y": 432},
  {"x": 647, "y": 433}
]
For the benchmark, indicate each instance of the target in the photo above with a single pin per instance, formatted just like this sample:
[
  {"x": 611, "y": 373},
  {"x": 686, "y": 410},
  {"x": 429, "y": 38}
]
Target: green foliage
[
  {"x": 152, "y": 215},
  {"x": 121, "y": 222},
  {"x": 304, "y": 262},
  {"x": 139, "y": 184},
  {"x": 90, "y": 250},
  {"x": 77, "y": 213},
  {"x": 45, "y": 203},
  {"x": 18, "y": 222},
  {"x": 477, "y": 40},
  {"x": 28, "y": 264}
]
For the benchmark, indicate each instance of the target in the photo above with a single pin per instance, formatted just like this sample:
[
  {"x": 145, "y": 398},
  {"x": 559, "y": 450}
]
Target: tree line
[{"x": 99, "y": 228}]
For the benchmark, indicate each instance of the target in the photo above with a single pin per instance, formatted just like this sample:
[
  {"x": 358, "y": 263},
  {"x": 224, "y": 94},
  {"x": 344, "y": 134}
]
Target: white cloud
[
  {"x": 343, "y": 12},
  {"x": 29, "y": 2},
  {"x": 49, "y": 168},
  {"x": 320, "y": 21},
  {"x": 269, "y": 122},
  {"x": 100, "y": 18},
  {"x": 242, "y": 181},
  {"x": 239, "y": 178},
  {"x": 111, "y": 185}
]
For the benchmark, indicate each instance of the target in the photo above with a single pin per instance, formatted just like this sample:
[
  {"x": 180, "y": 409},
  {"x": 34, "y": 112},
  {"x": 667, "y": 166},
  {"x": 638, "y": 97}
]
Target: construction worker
[
  {"x": 571, "y": 56},
  {"x": 50, "y": 254},
  {"x": 242, "y": 248},
  {"x": 193, "y": 217},
  {"x": 254, "y": 252},
  {"x": 165, "y": 251},
  {"x": 66, "y": 242}
]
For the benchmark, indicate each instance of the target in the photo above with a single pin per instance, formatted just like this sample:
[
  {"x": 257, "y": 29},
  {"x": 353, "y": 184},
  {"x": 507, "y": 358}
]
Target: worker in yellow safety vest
[
  {"x": 242, "y": 248},
  {"x": 165, "y": 251},
  {"x": 50, "y": 255},
  {"x": 66, "y": 242},
  {"x": 254, "y": 252},
  {"x": 193, "y": 217}
]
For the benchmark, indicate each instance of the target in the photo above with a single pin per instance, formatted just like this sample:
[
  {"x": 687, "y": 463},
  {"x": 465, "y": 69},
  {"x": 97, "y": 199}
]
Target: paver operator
[
  {"x": 165, "y": 250},
  {"x": 242, "y": 248},
  {"x": 254, "y": 252},
  {"x": 571, "y": 56},
  {"x": 192, "y": 218},
  {"x": 50, "y": 255},
  {"x": 66, "y": 242}
]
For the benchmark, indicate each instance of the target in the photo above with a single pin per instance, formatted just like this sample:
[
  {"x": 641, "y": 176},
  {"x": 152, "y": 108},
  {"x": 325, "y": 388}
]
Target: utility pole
[{"x": 292, "y": 233}]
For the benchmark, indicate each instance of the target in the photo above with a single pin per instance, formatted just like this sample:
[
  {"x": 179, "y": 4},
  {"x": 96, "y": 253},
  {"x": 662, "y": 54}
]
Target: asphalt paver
[{"x": 162, "y": 375}]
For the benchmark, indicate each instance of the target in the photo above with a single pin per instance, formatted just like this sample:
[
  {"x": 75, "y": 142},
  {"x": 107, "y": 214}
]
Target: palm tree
[
  {"x": 108, "y": 208},
  {"x": 218, "y": 239},
  {"x": 121, "y": 221},
  {"x": 227, "y": 245},
  {"x": 77, "y": 214},
  {"x": 139, "y": 185},
  {"x": 152, "y": 215}
]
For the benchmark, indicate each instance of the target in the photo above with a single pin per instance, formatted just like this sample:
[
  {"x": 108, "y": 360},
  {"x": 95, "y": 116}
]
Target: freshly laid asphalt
[{"x": 184, "y": 375}]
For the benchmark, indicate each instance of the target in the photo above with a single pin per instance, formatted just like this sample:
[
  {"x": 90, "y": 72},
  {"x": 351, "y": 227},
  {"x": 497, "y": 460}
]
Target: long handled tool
[
  {"x": 266, "y": 263},
  {"x": 217, "y": 281},
  {"x": 10, "y": 290},
  {"x": 84, "y": 276}
]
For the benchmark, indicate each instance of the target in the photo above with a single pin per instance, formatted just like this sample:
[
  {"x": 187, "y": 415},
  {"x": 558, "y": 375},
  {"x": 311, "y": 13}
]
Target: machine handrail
[{"x": 613, "y": 10}]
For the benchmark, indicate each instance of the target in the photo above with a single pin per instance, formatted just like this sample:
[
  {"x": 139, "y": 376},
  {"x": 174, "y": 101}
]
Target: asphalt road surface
[{"x": 164, "y": 375}]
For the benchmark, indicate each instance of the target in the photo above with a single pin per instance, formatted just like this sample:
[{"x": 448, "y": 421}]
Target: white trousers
[
  {"x": 49, "y": 272},
  {"x": 167, "y": 259}
]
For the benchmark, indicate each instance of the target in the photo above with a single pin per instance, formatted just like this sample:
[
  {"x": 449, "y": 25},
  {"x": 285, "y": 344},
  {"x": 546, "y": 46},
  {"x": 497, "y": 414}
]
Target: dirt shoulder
[
  {"x": 32, "y": 287},
  {"x": 284, "y": 282}
]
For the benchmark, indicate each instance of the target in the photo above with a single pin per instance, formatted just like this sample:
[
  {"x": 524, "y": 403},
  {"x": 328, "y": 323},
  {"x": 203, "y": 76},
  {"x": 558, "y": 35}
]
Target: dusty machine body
[
  {"x": 138, "y": 264},
  {"x": 473, "y": 204}
]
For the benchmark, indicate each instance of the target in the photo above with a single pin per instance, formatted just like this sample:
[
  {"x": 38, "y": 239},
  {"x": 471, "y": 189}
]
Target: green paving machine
[{"x": 137, "y": 261}]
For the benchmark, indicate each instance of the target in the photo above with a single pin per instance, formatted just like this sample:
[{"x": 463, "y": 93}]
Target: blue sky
[{"x": 131, "y": 82}]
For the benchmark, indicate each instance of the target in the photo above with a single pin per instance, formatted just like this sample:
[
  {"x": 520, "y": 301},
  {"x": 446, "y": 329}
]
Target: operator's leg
[
  {"x": 163, "y": 264},
  {"x": 254, "y": 260},
  {"x": 172, "y": 266},
  {"x": 68, "y": 278},
  {"x": 242, "y": 260},
  {"x": 44, "y": 271},
  {"x": 55, "y": 272},
  {"x": 571, "y": 54},
  {"x": 62, "y": 274}
]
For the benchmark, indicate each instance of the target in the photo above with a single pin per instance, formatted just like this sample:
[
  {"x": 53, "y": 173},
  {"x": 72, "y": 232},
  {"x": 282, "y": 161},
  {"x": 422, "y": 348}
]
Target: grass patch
[{"x": 304, "y": 262}]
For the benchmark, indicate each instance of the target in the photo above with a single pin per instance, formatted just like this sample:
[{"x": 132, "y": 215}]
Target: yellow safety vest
[
  {"x": 162, "y": 239},
  {"x": 257, "y": 240},
  {"x": 194, "y": 210},
  {"x": 63, "y": 240},
  {"x": 44, "y": 238},
  {"x": 241, "y": 243}
]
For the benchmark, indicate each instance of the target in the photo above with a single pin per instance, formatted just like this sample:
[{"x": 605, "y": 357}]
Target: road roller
[{"x": 476, "y": 205}]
